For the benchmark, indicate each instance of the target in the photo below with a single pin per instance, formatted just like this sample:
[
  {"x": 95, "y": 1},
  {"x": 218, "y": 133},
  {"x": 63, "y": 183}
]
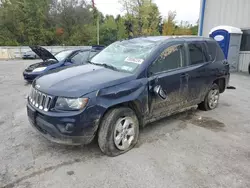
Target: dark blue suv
[
  {"x": 127, "y": 85},
  {"x": 60, "y": 59}
]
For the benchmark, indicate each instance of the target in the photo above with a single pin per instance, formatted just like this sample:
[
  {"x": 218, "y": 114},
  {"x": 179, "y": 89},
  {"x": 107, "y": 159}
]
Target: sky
[{"x": 187, "y": 10}]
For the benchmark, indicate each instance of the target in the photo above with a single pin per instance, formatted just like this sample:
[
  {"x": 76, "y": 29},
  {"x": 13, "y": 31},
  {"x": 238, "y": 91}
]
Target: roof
[
  {"x": 229, "y": 29},
  {"x": 158, "y": 39}
]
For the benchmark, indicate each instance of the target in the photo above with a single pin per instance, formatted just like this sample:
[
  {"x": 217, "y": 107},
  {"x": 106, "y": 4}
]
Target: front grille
[{"x": 40, "y": 100}]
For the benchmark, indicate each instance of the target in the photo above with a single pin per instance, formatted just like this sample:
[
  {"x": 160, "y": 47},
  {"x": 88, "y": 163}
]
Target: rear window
[{"x": 197, "y": 53}]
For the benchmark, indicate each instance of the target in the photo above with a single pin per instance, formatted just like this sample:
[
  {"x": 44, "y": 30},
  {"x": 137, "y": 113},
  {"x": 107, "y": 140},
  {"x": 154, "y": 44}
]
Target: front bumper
[{"x": 47, "y": 127}]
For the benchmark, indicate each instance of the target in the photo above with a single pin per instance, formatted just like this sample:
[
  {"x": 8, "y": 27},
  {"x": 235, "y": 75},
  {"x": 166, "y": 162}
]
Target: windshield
[
  {"x": 126, "y": 55},
  {"x": 60, "y": 56}
]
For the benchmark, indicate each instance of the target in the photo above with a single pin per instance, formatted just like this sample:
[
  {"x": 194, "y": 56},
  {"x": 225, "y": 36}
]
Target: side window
[
  {"x": 197, "y": 53},
  {"x": 80, "y": 57},
  {"x": 171, "y": 58}
]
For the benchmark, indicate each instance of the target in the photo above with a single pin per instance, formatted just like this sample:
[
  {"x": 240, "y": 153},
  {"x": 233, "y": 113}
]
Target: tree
[
  {"x": 142, "y": 17},
  {"x": 169, "y": 24},
  {"x": 72, "y": 22},
  {"x": 108, "y": 31}
]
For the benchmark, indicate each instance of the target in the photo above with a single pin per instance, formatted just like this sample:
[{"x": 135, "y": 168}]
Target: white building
[{"x": 232, "y": 13}]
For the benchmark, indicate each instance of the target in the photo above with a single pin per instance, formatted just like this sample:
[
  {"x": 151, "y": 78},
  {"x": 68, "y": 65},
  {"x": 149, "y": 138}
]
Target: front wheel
[
  {"x": 211, "y": 100},
  {"x": 119, "y": 131}
]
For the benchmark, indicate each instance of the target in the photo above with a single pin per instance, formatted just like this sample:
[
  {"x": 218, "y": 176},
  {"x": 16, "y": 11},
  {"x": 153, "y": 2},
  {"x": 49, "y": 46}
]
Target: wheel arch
[
  {"x": 221, "y": 82},
  {"x": 133, "y": 105}
]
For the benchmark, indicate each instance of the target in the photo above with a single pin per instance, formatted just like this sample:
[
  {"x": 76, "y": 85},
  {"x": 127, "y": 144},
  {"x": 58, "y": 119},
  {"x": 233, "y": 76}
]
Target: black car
[
  {"x": 61, "y": 59},
  {"x": 127, "y": 85}
]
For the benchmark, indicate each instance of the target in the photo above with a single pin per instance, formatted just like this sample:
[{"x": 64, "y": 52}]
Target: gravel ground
[{"x": 192, "y": 149}]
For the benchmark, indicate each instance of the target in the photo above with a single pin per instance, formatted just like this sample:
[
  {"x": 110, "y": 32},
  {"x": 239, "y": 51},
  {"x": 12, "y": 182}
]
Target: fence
[
  {"x": 11, "y": 52},
  {"x": 244, "y": 61}
]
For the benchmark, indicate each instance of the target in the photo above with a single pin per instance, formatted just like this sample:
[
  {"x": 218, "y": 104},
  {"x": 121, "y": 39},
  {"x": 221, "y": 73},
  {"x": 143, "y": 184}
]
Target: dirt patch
[
  {"x": 206, "y": 122},
  {"x": 70, "y": 173}
]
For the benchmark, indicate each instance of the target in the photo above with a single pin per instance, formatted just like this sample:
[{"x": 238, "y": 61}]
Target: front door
[{"x": 168, "y": 73}]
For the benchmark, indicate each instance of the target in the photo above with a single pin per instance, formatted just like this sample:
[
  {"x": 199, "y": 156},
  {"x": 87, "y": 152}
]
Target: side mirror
[{"x": 160, "y": 92}]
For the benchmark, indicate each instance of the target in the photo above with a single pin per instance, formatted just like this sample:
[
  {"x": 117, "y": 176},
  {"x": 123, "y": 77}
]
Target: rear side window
[
  {"x": 212, "y": 49},
  {"x": 197, "y": 53}
]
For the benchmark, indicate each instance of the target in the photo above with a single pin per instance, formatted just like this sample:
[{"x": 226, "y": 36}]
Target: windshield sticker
[
  {"x": 126, "y": 68},
  {"x": 134, "y": 60}
]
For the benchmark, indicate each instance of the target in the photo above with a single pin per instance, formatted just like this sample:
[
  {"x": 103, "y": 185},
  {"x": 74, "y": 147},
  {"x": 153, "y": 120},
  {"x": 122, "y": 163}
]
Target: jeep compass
[{"x": 127, "y": 85}]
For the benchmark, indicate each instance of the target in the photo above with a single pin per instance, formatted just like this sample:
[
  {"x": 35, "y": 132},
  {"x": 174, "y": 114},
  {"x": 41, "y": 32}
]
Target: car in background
[
  {"x": 30, "y": 55},
  {"x": 60, "y": 59},
  {"x": 127, "y": 85}
]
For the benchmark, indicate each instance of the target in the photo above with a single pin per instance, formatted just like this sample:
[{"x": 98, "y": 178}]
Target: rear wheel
[
  {"x": 212, "y": 99},
  {"x": 119, "y": 131}
]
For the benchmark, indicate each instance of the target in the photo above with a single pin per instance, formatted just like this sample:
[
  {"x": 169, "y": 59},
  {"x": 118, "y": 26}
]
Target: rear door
[
  {"x": 198, "y": 71},
  {"x": 167, "y": 72}
]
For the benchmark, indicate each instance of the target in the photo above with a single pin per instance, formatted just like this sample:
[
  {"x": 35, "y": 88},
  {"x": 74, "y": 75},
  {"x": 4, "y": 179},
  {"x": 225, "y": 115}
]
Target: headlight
[
  {"x": 68, "y": 104},
  {"x": 39, "y": 69}
]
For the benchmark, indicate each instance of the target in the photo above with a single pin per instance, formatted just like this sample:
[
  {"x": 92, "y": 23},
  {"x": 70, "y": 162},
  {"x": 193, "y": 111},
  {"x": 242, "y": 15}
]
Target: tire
[
  {"x": 249, "y": 68},
  {"x": 214, "y": 95},
  {"x": 110, "y": 129}
]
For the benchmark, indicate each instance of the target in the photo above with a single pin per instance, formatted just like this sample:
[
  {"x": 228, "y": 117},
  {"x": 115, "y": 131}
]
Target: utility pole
[
  {"x": 97, "y": 26},
  {"x": 97, "y": 21}
]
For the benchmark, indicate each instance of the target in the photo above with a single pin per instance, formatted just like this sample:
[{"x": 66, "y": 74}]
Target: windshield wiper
[
  {"x": 109, "y": 66},
  {"x": 91, "y": 62},
  {"x": 104, "y": 65}
]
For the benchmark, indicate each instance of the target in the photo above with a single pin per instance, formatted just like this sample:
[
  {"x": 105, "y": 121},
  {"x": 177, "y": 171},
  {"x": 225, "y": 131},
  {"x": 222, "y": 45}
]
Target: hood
[
  {"x": 42, "y": 53},
  {"x": 76, "y": 81},
  {"x": 41, "y": 64}
]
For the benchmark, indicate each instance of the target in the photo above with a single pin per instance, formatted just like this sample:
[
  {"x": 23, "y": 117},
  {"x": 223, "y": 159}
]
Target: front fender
[{"x": 135, "y": 92}]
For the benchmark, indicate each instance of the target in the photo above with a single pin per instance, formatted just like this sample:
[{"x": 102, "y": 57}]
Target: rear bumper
[{"x": 52, "y": 132}]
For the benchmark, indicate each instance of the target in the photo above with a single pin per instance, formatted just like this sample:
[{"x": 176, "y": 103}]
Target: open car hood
[{"x": 42, "y": 53}]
